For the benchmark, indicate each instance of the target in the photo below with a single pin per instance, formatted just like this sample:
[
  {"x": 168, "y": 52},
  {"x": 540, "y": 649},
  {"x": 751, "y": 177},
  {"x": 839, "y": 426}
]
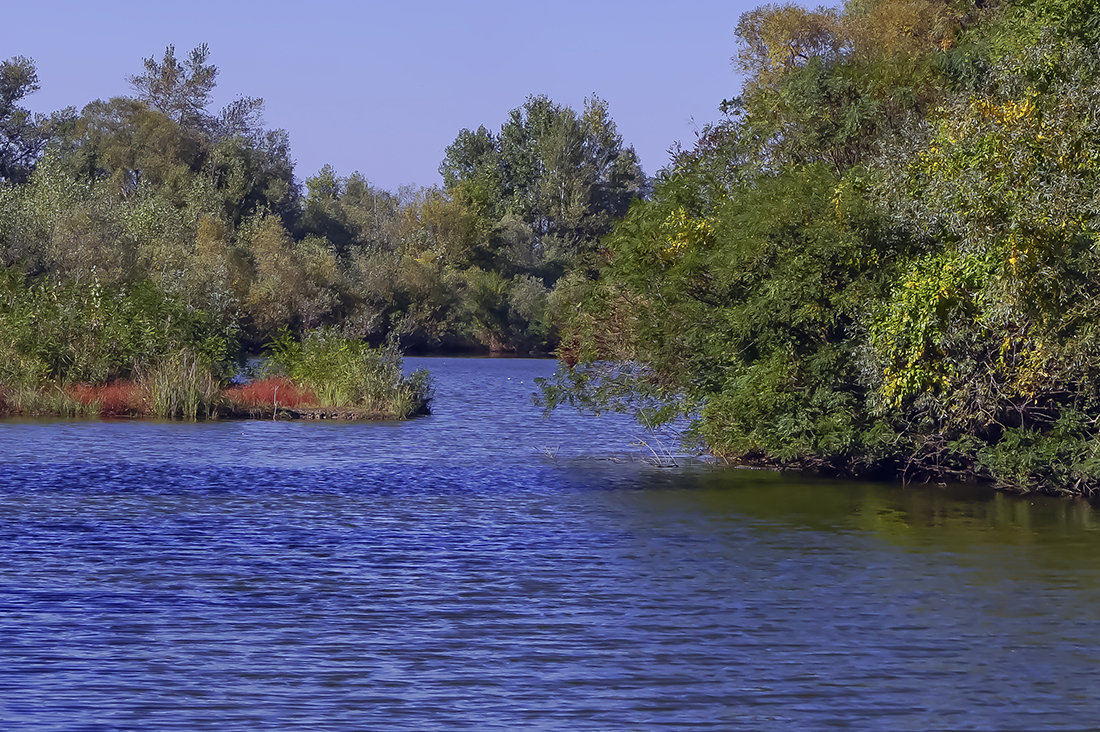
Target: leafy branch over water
[{"x": 883, "y": 261}]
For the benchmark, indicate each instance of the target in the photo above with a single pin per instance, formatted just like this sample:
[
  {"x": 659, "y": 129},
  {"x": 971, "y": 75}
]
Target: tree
[
  {"x": 125, "y": 141},
  {"x": 776, "y": 39},
  {"x": 23, "y": 135},
  {"x": 565, "y": 176},
  {"x": 179, "y": 90},
  {"x": 255, "y": 173},
  {"x": 473, "y": 154},
  {"x": 824, "y": 85},
  {"x": 182, "y": 91}
]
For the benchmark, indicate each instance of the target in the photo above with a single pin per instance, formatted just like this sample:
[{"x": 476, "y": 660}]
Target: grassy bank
[{"x": 324, "y": 376}]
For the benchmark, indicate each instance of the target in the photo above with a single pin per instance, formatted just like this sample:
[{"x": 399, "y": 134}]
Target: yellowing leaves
[
  {"x": 1009, "y": 113},
  {"x": 680, "y": 231},
  {"x": 913, "y": 334}
]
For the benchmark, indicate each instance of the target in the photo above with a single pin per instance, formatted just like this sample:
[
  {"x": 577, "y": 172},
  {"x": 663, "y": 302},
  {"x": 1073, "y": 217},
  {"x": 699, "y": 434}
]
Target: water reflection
[{"x": 902, "y": 513}]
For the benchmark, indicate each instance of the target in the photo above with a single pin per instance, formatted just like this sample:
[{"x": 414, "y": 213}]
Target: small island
[
  {"x": 879, "y": 262},
  {"x": 323, "y": 376}
]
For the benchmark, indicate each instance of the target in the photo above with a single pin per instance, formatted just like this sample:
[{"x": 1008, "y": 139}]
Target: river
[{"x": 483, "y": 568}]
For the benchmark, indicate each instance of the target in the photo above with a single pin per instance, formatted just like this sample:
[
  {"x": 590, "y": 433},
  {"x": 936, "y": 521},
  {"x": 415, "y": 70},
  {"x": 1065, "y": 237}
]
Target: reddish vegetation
[
  {"x": 266, "y": 392},
  {"x": 127, "y": 399},
  {"x": 118, "y": 399}
]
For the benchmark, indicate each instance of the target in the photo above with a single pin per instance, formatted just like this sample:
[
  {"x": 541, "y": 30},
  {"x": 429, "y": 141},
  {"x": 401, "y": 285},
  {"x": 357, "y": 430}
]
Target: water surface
[{"x": 448, "y": 573}]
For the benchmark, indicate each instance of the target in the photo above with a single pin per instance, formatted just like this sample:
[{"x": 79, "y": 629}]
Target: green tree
[
  {"x": 23, "y": 135},
  {"x": 181, "y": 90},
  {"x": 126, "y": 142},
  {"x": 564, "y": 176}
]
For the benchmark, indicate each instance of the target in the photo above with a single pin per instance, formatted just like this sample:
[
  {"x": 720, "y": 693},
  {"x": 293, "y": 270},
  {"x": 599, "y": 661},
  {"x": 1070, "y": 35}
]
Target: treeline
[
  {"x": 884, "y": 260},
  {"x": 152, "y": 223}
]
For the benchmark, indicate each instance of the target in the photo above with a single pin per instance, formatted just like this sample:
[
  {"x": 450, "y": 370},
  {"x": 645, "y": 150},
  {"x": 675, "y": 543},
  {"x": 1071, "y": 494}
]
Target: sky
[{"x": 383, "y": 87}]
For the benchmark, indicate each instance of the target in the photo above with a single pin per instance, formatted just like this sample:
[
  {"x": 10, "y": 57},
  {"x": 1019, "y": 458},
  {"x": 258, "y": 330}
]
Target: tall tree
[
  {"x": 23, "y": 135},
  {"x": 180, "y": 90},
  {"x": 564, "y": 176}
]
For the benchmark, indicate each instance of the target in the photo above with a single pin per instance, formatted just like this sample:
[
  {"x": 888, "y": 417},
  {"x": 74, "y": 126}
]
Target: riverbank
[{"x": 269, "y": 398}]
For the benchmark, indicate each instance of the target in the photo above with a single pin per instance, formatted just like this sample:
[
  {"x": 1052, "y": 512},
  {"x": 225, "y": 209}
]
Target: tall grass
[
  {"x": 181, "y": 386},
  {"x": 345, "y": 372},
  {"x": 47, "y": 400},
  {"x": 25, "y": 389}
]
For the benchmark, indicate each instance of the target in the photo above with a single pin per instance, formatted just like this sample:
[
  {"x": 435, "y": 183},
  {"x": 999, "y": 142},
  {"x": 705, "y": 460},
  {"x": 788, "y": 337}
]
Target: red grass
[
  {"x": 264, "y": 393},
  {"x": 118, "y": 399}
]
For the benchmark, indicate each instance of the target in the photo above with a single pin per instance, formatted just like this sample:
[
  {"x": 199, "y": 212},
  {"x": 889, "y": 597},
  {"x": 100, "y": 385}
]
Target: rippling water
[{"x": 447, "y": 573}]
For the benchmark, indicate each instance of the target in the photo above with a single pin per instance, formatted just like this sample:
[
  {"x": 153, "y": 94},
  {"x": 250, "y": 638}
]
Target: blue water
[{"x": 482, "y": 568}]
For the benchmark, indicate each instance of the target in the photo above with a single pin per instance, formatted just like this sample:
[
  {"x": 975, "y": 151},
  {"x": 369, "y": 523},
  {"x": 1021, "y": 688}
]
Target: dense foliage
[
  {"x": 881, "y": 261},
  {"x": 147, "y": 226},
  {"x": 884, "y": 260},
  {"x": 343, "y": 372}
]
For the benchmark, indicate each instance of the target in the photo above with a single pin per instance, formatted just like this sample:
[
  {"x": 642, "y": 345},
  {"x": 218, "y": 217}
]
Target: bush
[{"x": 345, "y": 372}]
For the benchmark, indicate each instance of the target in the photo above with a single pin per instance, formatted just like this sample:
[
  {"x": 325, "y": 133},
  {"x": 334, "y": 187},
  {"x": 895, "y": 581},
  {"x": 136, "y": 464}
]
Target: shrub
[{"x": 345, "y": 372}]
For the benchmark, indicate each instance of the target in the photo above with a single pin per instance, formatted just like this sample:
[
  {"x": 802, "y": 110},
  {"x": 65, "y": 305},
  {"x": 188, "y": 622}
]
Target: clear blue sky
[{"x": 383, "y": 87}]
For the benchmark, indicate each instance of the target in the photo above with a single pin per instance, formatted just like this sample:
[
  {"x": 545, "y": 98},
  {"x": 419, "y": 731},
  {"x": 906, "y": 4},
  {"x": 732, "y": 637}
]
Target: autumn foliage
[
  {"x": 269, "y": 392},
  {"x": 117, "y": 399}
]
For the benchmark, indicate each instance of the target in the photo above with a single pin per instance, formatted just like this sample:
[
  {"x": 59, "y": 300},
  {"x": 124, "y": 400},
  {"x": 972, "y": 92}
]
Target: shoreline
[{"x": 258, "y": 400}]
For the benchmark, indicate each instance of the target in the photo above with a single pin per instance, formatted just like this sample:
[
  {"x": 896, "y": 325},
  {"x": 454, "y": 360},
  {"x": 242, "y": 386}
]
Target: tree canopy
[
  {"x": 160, "y": 189},
  {"x": 882, "y": 261}
]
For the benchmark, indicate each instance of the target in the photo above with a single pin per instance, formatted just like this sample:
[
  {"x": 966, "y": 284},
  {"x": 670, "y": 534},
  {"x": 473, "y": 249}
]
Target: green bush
[{"x": 346, "y": 372}]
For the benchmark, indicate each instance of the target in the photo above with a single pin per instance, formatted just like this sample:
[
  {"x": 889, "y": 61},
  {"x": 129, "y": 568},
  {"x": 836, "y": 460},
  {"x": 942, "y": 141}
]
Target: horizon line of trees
[
  {"x": 134, "y": 215},
  {"x": 882, "y": 261}
]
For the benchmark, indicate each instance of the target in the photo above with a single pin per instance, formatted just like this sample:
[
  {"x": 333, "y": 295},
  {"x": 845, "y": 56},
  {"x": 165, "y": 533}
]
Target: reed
[
  {"x": 181, "y": 386},
  {"x": 40, "y": 401}
]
